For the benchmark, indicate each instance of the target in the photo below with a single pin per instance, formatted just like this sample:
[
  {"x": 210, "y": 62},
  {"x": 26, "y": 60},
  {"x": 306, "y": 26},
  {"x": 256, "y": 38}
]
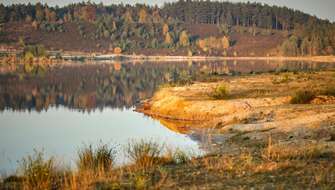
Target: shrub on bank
[
  {"x": 220, "y": 92},
  {"x": 303, "y": 97}
]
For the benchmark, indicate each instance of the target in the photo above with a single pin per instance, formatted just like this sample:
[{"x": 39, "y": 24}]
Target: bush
[
  {"x": 303, "y": 97},
  {"x": 101, "y": 159},
  {"x": 38, "y": 173},
  {"x": 144, "y": 154},
  {"x": 220, "y": 92}
]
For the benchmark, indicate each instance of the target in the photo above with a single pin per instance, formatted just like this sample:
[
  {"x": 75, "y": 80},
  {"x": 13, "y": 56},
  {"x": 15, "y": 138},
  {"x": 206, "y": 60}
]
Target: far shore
[
  {"x": 74, "y": 55},
  {"x": 173, "y": 58}
]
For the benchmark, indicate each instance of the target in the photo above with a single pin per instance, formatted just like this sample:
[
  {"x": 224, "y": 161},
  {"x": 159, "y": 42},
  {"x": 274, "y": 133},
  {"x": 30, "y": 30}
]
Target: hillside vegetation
[{"x": 179, "y": 28}]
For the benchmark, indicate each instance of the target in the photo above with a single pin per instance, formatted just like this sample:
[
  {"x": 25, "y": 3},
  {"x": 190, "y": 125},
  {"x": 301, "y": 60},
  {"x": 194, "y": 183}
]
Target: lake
[{"x": 59, "y": 110}]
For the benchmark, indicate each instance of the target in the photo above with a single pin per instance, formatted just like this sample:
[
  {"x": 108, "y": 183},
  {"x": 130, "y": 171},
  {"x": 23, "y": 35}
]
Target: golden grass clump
[
  {"x": 144, "y": 154},
  {"x": 38, "y": 172},
  {"x": 99, "y": 159}
]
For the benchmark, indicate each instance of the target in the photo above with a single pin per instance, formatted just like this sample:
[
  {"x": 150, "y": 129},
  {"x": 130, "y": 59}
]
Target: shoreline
[
  {"x": 196, "y": 58},
  {"x": 68, "y": 55},
  {"x": 193, "y": 104}
]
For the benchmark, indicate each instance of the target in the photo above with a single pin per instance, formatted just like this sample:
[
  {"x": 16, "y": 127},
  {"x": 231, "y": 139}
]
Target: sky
[{"x": 321, "y": 8}]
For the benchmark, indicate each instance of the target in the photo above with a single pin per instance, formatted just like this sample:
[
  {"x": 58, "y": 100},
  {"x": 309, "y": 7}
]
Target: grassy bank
[{"x": 260, "y": 164}]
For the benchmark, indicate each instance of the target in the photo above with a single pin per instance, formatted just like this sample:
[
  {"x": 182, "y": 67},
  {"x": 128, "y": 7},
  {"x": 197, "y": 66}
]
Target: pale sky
[{"x": 321, "y": 8}]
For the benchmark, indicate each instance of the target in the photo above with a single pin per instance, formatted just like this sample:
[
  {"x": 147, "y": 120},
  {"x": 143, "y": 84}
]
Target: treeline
[
  {"x": 141, "y": 26},
  {"x": 308, "y": 34}
]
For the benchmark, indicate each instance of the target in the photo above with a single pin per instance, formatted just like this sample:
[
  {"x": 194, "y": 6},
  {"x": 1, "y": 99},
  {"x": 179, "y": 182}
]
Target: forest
[{"x": 175, "y": 27}]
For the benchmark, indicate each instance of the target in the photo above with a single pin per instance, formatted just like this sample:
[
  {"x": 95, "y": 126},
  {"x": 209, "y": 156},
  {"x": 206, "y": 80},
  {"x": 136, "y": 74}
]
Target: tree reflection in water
[{"x": 87, "y": 87}]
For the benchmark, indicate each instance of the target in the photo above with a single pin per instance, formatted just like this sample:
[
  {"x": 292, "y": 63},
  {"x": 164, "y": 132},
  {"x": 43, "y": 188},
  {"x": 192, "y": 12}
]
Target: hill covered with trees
[{"x": 178, "y": 28}]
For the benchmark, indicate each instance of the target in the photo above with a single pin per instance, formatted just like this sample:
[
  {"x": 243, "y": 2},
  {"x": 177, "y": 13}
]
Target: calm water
[{"x": 60, "y": 110}]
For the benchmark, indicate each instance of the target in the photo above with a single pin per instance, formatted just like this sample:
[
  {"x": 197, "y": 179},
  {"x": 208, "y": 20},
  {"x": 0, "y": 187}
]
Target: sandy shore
[{"x": 255, "y": 103}]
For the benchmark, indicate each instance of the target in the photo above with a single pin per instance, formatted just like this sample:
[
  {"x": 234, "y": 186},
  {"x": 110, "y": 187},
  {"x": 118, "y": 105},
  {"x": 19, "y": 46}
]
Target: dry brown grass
[{"x": 299, "y": 166}]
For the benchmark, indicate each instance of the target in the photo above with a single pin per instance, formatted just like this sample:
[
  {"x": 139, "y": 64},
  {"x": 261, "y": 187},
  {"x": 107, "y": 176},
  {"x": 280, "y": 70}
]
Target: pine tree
[{"x": 39, "y": 12}]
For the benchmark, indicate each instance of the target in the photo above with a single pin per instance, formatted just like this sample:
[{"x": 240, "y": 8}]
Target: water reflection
[
  {"x": 115, "y": 85},
  {"x": 69, "y": 105},
  {"x": 61, "y": 132}
]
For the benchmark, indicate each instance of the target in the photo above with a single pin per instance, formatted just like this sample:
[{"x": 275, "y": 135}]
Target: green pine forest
[{"x": 175, "y": 27}]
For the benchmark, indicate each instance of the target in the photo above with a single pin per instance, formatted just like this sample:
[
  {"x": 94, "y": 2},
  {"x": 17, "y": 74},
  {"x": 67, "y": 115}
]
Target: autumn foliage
[{"x": 210, "y": 43}]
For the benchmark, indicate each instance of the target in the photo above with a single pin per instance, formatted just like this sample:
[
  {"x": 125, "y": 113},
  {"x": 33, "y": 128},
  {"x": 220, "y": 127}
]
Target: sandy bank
[{"x": 255, "y": 103}]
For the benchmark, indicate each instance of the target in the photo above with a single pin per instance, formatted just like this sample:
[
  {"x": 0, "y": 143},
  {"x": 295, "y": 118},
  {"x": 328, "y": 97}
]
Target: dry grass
[
  {"x": 144, "y": 154},
  {"x": 38, "y": 172},
  {"x": 303, "y": 97},
  {"x": 300, "y": 166},
  {"x": 99, "y": 159}
]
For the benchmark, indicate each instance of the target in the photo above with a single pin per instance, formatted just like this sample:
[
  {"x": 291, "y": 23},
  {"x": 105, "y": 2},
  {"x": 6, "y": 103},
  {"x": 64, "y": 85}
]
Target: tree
[
  {"x": 290, "y": 46},
  {"x": 88, "y": 13},
  {"x": 21, "y": 42},
  {"x": 184, "y": 39},
  {"x": 39, "y": 12},
  {"x": 224, "y": 29},
  {"x": 35, "y": 25},
  {"x": 2, "y": 13},
  {"x": 128, "y": 17},
  {"x": 156, "y": 17},
  {"x": 143, "y": 16},
  {"x": 225, "y": 42},
  {"x": 68, "y": 17},
  {"x": 117, "y": 50},
  {"x": 305, "y": 47},
  {"x": 50, "y": 15},
  {"x": 316, "y": 45},
  {"x": 168, "y": 39},
  {"x": 154, "y": 43},
  {"x": 202, "y": 44},
  {"x": 165, "y": 29}
]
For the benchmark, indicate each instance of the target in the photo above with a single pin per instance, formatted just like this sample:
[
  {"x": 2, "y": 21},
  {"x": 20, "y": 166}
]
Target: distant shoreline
[
  {"x": 195, "y": 58},
  {"x": 174, "y": 58}
]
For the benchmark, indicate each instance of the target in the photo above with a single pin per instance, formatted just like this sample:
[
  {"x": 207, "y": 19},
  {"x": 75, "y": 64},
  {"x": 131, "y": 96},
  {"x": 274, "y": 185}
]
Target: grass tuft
[
  {"x": 99, "y": 159},
  {"x": 38, "y": 173},
  {"x": 144, "y": 154}
]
